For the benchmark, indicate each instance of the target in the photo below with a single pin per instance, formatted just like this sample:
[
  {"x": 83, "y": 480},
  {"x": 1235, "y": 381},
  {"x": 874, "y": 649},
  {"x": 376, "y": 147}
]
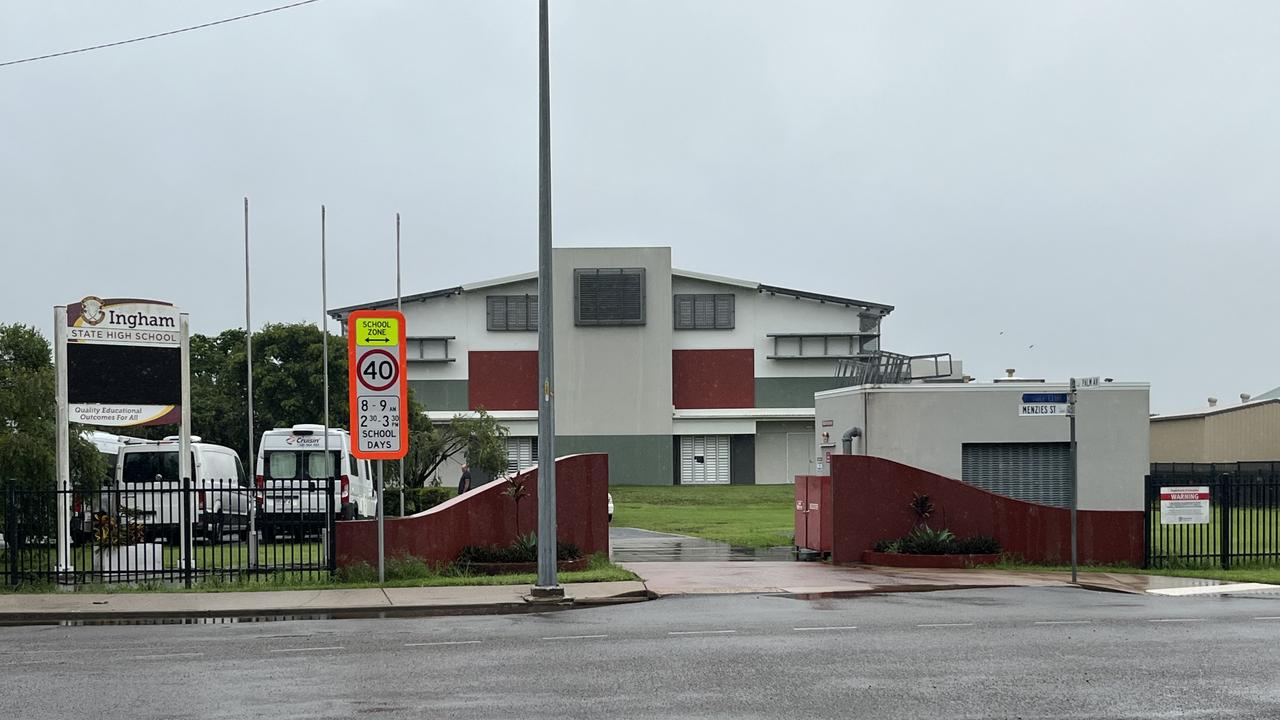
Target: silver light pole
[{"x": 548, "y": 585}]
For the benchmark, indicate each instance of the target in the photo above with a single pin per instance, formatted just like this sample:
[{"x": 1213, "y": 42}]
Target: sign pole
[
  {"x": 378, "y": 398},
  {"x": 1075, "y": 480},
  {"x": 382, "y": 538},
  {"x": 184, "y": 440},
  {"x": 63, "y": 462}
]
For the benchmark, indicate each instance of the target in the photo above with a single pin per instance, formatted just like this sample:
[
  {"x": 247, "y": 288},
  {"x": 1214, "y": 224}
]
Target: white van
[
  {"x": 148, "y": 487},
  {"x": 292, "y": 476}
]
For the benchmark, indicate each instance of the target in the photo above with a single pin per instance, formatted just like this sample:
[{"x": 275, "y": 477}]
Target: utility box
[{"x": 813, "y": 513}]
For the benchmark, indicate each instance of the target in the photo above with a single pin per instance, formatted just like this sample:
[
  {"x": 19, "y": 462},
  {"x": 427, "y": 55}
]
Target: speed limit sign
[{"x": 377, "y": 391}]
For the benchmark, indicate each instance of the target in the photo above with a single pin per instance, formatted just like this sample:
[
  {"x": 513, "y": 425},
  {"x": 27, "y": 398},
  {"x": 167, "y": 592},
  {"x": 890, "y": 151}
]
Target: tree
[
  {"x": 288, "y": 383},
  {"x": 482, "y": 439},
  {"x": 28, "y": 418}
]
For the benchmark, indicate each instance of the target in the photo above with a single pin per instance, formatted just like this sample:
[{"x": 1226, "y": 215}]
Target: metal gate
[
  {"x": 1243, "y": 524},
  {"x": 136, "y": 534}
]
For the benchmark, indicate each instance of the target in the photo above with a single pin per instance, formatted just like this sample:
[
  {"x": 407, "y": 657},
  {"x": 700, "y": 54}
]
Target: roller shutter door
[{"x": 1034, "y": 472}]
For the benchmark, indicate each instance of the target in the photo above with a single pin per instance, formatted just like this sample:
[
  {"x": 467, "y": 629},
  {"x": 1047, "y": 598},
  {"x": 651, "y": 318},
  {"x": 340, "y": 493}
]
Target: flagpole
[
  {"x": 400, "y": 309},
  {"x": 251, "y": 459}
]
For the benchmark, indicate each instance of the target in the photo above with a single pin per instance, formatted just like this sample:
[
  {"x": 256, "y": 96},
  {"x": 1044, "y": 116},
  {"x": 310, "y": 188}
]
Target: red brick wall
[
  {"x": 502, "y": 380},
  {"x": 870, "y": 501},
  {"x": 713, "y": 378},
  {"x": 486, "y": 516}
]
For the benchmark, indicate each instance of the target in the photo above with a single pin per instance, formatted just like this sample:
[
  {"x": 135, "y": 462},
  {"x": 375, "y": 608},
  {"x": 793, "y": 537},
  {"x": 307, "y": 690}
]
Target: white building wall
[{"x": 925, "y": 426}]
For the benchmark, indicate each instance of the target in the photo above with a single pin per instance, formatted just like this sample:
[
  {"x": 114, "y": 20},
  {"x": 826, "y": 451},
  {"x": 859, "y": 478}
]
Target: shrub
[
  {"x": 978, "y": 545},
  {"x": 926, "y": 541},
  {"x": 417, "y": 499},
  {"x": 358, "y": 572}
]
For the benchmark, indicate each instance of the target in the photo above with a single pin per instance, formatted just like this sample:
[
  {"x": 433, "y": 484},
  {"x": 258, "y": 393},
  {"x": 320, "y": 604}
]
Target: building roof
[
  {"x": 1272, "y": 394},
  {"x": 1216, "y": 410},
  {"x": 883, "y": 309}
]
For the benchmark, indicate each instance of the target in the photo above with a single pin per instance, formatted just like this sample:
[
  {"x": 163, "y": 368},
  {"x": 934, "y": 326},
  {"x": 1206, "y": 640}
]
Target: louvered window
[
  {"x": 704, "y": 311},
  {"x": 512, "y": 312},
  {"x": 522, "y": 453},
  {"x": 608, "y": 296},
  {"x": 704, "y": 460},
  {"x": 1034, "y": 472}
]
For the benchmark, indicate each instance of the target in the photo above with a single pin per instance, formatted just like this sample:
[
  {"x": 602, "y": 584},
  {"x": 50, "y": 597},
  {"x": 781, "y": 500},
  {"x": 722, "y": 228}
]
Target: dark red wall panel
[
  {"x": 713, "y": 378},
  {"x": 871, "y": 498},
  {"x": 487, "y": 516},
  {"x": 502, "y": 380}
]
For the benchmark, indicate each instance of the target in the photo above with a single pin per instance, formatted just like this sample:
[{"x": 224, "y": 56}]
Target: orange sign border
[{"x": 352, "y": 383}]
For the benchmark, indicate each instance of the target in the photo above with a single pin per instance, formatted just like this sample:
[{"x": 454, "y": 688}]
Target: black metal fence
[
  {"x": 169, "y": 533},
  {"x": 1243, "y": 523}
]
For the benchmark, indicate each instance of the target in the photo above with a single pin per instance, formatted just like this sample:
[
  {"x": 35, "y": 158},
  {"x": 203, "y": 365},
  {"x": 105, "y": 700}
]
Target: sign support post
[
  {"x": 378, "y": 393},
  {"x": 1075, "y": 479},
  {"x": 63, "y": 461},
  {"x": 184, "y": 440}
]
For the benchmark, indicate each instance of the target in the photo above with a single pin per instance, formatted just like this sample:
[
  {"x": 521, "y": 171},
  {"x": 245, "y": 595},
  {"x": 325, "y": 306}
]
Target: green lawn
[
  {"x": 1253, "y": 530},
  {"x": 400, "y": 572},
  {"x": 227, "y": 555},
  {"x": 742, "y": 515}
]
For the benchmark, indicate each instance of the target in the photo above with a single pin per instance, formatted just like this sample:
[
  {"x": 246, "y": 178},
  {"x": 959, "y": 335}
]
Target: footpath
[{"x": 660, "y": 579}]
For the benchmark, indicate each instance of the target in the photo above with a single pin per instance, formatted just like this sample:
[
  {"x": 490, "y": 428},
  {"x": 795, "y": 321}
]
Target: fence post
[
  {"x": 10, "y": 532},
  {"x": 184, "y": 534},
  {"x": 1224, "y": 521},
  {"x": 331, "y": 562},
  {"x": 1146, "y": 521}
]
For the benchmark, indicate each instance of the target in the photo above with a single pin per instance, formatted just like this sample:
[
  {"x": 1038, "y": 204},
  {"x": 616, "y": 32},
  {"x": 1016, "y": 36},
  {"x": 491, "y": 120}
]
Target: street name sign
[
  {"x": 1087, "y": 382},
  {"x": 378, "y": 391},
  {"x": 1184, "y": 505},
  {"x": 1043, "y": 405}
]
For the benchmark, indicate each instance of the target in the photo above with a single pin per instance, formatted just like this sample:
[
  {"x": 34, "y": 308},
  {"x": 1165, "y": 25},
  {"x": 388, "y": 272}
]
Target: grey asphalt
[
  {"x": 637, "y": 545},
  {"x": 991, "y": 653}
]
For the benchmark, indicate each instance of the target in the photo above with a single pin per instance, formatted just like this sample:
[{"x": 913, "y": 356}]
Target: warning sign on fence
[{"x": 1184, "y": 505}]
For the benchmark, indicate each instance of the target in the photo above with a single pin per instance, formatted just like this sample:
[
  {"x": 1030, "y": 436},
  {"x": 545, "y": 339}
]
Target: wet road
[
  {"x": 636, "y": 545},
  {"x": 1013, "y": 652}
]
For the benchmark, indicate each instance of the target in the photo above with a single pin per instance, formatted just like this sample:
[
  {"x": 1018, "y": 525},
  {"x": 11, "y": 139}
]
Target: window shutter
[
  {"x": 704, "y": 311},
  {"x": 684, "y": 312},
  {"x": 609, "y": 296},
  {"x": 497, "y": 310},
  {"x": 724, "y": 312},
  {"x": 517, "y": 313}
]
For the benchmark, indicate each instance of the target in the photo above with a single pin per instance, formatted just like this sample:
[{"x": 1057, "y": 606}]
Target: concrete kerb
[{"x": 23, "y": 609}]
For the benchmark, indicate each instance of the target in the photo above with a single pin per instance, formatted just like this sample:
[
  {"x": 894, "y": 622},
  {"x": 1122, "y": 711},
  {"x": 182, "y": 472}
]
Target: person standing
[{"x": 464, "y": 482}]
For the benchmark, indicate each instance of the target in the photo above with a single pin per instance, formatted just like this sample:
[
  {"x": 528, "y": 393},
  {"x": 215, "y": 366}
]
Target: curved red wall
[
  {"x": 486, "y": 516},
  {"x": 870, "y": 501}
]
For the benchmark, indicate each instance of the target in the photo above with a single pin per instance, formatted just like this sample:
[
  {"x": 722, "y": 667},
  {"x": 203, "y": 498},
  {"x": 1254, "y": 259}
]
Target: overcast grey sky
[{"x": 1099, "y": 180}]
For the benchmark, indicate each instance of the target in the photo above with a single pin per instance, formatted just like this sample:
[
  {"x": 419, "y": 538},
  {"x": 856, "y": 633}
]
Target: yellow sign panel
[{"x": 377, "y": 332}]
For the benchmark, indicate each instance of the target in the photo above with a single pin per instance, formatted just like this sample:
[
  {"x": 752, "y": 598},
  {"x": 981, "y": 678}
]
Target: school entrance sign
[
  {"x": 120, "y": 362},
  {"x": 124, "y": 360}
]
